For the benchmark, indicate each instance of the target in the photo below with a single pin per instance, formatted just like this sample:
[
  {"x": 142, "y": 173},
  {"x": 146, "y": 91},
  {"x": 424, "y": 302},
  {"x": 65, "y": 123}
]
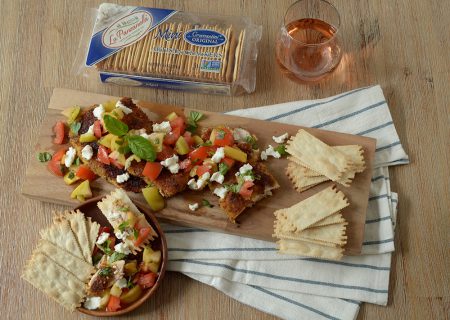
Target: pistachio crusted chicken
[{"x": 118, "y": 142}]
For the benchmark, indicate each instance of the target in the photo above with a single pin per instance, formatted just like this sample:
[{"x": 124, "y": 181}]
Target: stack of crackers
[
  {"x": 61, "y": 265},
  {"x": 313, "y": 227},
  {"x": 312, "y": 162},
  {"x": 154, "y": 55}
]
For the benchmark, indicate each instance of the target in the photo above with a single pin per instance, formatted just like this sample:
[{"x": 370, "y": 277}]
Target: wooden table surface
[{"x": 401, "y": 45}]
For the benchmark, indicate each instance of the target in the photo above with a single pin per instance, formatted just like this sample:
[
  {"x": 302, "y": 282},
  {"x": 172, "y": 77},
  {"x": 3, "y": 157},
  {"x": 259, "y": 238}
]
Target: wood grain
[
  {"x": 402, "y": 45},
  {"x": 257, "y": 222}
]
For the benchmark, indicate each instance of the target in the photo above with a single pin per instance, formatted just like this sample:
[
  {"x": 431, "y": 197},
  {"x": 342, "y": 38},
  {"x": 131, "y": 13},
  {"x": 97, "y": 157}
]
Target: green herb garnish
[
  {"x": 234, "y": 187},
  {"x": 77, "y": 161},
  {"x": 124, "y": 149},
  {"x": 142, "y": 148},
  {"x": 115, "y": 126},
  {"x": 251, "y": 140},
  {"x": 105, "y": 247},
  {"x": 207, "y": 143},
  {"x": 71, "y": 175},
  {"x": 75, "y": 127},
  {"x": 123, "y": 226},
  {"x": 135, "y": 234},
  {"x": 130, "y": 283},
  {"x": 116, "y": 256},
  {"x": 106, "y": 271},
  {"x": 193, "y": 118},
  {"x": 206, "y": 203},
  {"x": 281, "y": 149},
  {"x": 123, "y": 209},
  {"x": 223, "y": 168},
  {"x": 44, "y": 156},
  {"x": 220, "y": 134}
]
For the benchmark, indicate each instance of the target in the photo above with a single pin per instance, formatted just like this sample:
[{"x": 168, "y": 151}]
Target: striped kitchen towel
[{"x": 305, "y": 288}]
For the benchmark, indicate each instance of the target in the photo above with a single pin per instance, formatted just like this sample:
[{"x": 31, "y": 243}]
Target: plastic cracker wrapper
[{"x": 169, "y": 49}]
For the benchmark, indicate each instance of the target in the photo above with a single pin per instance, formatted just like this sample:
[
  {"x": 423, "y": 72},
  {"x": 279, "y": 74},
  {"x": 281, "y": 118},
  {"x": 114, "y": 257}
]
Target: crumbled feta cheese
[
  {"x": 221, "y": 192},
  {"x": 192, "y": 184},
  {"x": 70, "y": 157},
  {"x": 115, "y": 215},
  {"x": 102, "y": 237},
  {"x": 99, "y": 111},
  {"x": 90, "y": 130},
  {"x": 203, "y": 180},
  {"x": 87, "y": 152},
  {"x": 193, "y": 206},
  {"x": 144, "y": 135},
  {"x": 218, "y": 177},
  {"x": 121, "y": 283},
  {"x": 122, "y": 248},
  {"x": 280, "y": 139},
  {"x": 162, "y": 127},
  {"x": 246, "y": 167},
  {"x": 270, "y": 151},
  {"x": 121, "y": 178},
  {"x": 92, "y": 303},
  {"x": 123, "y": 107},
  {"x": 263, "y": 155},
  {"x": 218, "y": 155},
  {"x": 240, "y": 134},
  {"x": 248, "y": 178},
  {"x": 121, "y": 234},
  {"x": 171, "y": 164}
]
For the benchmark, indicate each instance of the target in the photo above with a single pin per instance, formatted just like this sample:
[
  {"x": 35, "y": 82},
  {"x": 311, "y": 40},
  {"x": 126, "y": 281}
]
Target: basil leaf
[
  {"x": 195, "y": 116},
  {"x": 123, "y": 226},
  {"x": 223, "y": 168},
  {"x": 114, "y": 126},
  {"x": 77, "y": 161},
  {"x": 71, "y": 175},
  {"x": 191, "y": 128},
  {"x": 116, "y": 256},
  {"x": 75, "y": 127},
  {"x": 44, "y": 156},
  {"x": 135, "y": 234},
  {"x": 251, "y": 140},
  {"x": 142, "y": 148},
  {"x": 124, "y": 149},
  {"x": 206, "y": 203},
  {"x": 281, "y": 149}
]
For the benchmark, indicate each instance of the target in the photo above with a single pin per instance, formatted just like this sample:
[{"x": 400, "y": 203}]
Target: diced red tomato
[
  {"x": 143, "y": 234},
  {"x": 188, "y": 137},
  {"x": 152, "y": 170},
  {"x": 228, "y": 161},
  {"x": 113, "y": 304},
  {"x": 245, "y": 191},
  {"x": 147, "y": 280},
  {"x": 56, "y": 168},
  {"x": 186, "y": 165},
  {"x": 223, "y": 137},
  {"x": 85, "y": 173},
  {"x": 201, "y": 153},
  {"x": 172, "y": 136},
  {"x": 178, "y": 122},
  {"x": 166, "y": 152},
  {"x": 102, "y": 155},
  {"x": 97, "y": 129},
  {"x": 58, "y": 155},
  {"x": 116, "y": 163},
  {"x": 104, "y": 229},
  {"x": 201, "y": 170},
  {"x": 59, "y": 130}
]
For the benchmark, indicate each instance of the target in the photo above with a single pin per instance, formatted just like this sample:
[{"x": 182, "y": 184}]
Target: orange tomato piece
[
  {"x": 85, "y": 173},
  {"x": 113, "y": 304},
  {"x": 245, "y": 191},
  {"x": 143, "y": 235},
  {"x": 59, "y": 130},
  {"x": 152, "y": 170}
]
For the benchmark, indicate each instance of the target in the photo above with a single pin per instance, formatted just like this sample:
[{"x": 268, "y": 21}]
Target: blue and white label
[
  {"x": 210, "y": 65},
  {"x": 205, "y": 38}
]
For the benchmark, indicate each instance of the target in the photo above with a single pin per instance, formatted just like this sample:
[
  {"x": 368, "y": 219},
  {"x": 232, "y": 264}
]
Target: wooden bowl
[{"x": 90, "y": 209}]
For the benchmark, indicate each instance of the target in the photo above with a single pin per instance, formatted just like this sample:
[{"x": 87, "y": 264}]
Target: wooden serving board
[{"x": 256, "y": 222}]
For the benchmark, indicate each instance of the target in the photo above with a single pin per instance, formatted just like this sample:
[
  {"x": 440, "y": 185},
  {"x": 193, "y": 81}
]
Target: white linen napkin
[{"x": 290, "y": 287}]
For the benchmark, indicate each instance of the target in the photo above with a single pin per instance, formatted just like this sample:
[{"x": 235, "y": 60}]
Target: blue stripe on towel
[
  {"x": 375, "y": 105},
  {"x": 375, "y": 128},
  {"x": 396, "y": 143},
  {"x": 381, "y": 196},
  {"x": 368, "y": 243},
  {"x": 221, "y": 249},
  {"x": 378, "y": 220},
  {"x": 304, "y": 306},
  {"x": 282, "y": 115},
  {"x": 185, "y": 230},
  {"x": 267, "y": 275}
]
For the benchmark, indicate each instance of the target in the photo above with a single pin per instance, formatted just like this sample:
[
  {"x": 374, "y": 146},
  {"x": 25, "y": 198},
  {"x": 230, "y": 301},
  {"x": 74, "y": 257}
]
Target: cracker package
[{"x": 169, "y": 49}]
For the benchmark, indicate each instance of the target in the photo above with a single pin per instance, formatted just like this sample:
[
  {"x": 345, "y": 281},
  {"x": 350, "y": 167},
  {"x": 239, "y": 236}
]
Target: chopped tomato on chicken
[
  {"x": 54, "y": 165},
  {"x": 85, "y": 173},
  {"x": 97, "y": 129},
  {"x": 152, "y": 170},
  {"x": 228, "y": 161},
  {"x": 113, "y": 303},
  {"x": 223, "y": 137},
  {"x": 178, "y": 122},
  {"x": 201, "y": 153},
  {"x": 143, "y": 235},
  {"x": 245, "y": 191},
  {"x": 59, "y": 130},
  {"x": 201, "y": 170},
  {"x": 147, "y": 280},
  {"x": 172, "y": 137},
  {"x": 102, "y": 155}
]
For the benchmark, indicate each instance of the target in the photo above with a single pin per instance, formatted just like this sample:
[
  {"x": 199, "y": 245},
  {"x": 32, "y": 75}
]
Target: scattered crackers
[
  {"x": 313, "y": 227},
  {"x": 313, "y": 162},
  {"x": 61, "y": 264}
]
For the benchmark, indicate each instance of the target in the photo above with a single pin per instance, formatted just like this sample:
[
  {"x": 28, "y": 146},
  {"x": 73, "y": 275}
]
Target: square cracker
[
  {"x": 317, "y": 155},
  {"x": 78, "y": 267},
  {"x": 61, "y": 235},
  {"x": 302, "y": 248},
  {"x": 315, "y": 208}
]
